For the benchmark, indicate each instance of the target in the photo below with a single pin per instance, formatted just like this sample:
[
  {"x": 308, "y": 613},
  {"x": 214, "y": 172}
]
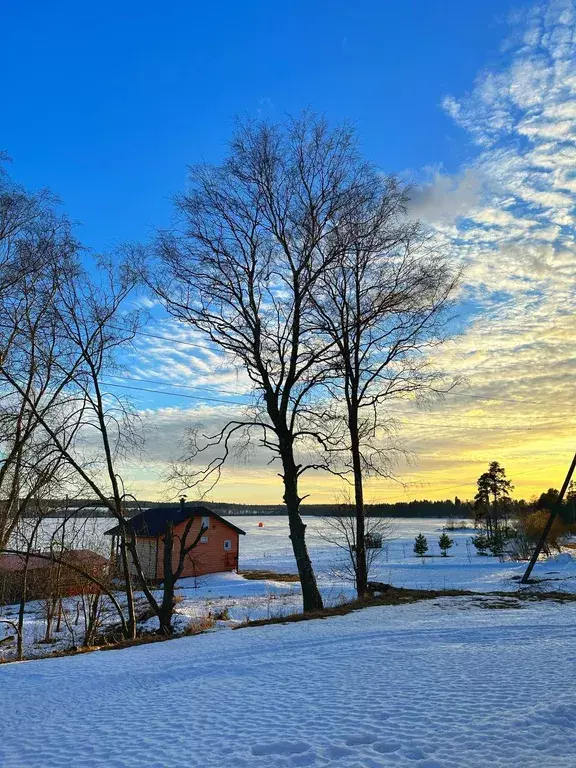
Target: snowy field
[
  {"x": 231, "y": 599},
  {"x": 268, "y": 548},
  {"x": 438, "y": 684}
]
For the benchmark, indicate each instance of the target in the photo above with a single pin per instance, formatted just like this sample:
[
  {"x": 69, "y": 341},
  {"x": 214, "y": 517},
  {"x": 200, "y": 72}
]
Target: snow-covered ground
[
  {"x": 268, "y": 548},
  {"x": 438, "y": 684}
]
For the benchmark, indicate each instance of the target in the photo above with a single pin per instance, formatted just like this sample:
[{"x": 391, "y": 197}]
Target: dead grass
[
  {"x": 394, "y": 596},
  {"x": 401, "y": 596},
  {"x": 269, "y": 576},
  {"x": 197, "y": 626}
]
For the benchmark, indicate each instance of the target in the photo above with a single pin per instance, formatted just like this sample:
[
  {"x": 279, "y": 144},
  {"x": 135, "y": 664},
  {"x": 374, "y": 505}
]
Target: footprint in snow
[
  {"x": 414, "y": 754},
  {"x": 360, "y": 738},
  {"x": 386, "y": 746},
  {"x": 280, "y": 748},
  {"x": 335, "y": 751}
]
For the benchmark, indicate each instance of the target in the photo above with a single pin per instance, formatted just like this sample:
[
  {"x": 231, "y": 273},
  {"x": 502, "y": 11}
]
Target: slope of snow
[
  {"x": 440, "y": 684},
  {"x": 268, "y": 548}
]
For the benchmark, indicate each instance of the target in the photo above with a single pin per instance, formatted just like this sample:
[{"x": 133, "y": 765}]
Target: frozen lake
[
  {"x": 229, "y": 598},
  {"x": 268, "y": 547}
]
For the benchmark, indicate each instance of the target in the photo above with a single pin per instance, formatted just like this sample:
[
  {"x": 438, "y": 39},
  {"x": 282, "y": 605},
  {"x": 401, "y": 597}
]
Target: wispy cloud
[
  {"x": 508, "y": 217},
  {"x": 517, "y": 244}
]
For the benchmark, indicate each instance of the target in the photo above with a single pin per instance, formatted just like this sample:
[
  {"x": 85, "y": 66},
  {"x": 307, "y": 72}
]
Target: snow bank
[{"x": 428, "y": 685}]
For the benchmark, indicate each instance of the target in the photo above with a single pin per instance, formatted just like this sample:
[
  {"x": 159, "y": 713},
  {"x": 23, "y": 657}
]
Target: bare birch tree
[
  {"x": 382, "y": 303},
  {"x": 93, "y": 427},
  {"x": 255, "y": 234},
  {"x": 36, "y": 251}
]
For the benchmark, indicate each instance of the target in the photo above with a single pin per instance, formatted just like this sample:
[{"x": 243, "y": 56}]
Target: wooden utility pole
[{"x": 548, "y": 526}]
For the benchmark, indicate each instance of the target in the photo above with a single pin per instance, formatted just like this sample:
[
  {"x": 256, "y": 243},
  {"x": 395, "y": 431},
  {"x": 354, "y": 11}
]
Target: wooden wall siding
[
  {"x": 146, "y": 549},
  {"x": 210, "y": 557},
  {"x": 204, "y": 558}
]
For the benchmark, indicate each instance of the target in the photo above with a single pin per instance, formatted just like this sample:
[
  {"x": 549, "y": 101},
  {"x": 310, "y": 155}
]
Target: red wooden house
[{"x": 216, "y": 551}]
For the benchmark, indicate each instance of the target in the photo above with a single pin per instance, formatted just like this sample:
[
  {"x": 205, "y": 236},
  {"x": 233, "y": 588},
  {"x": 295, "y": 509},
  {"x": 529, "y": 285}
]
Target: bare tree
[
  {"x": 164, "y": 608},
  {"x": 255, "y": 235},
  {"x": 36, "y": 250},
  {"x": 340, "y": 530},
  {"x": 92, "y": 428},
  {"x": 382, "y": 304}
]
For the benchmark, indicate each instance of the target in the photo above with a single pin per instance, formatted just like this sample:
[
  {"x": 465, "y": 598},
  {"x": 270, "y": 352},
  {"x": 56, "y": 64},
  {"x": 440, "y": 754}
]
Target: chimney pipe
[{"x": 182, "y": 503}]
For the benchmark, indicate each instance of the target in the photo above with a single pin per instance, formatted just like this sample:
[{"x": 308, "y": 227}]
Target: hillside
[{"x": 443, "y": 684}]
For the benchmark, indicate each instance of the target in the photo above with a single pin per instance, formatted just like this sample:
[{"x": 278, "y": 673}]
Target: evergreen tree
[
  {"x": 420, "y": 545},
  {"x": 492, "y": 499},
  {"x": 445, "y": 542},
  {"x": 481, "y": 543}
]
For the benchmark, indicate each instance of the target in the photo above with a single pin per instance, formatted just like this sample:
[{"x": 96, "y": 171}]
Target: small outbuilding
[
  {"x": 217, "y": 549},
  {"x": 46, "y": 574}
]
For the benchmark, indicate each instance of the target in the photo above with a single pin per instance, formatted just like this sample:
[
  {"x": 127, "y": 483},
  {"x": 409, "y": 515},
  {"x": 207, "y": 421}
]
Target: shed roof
[
  {"x": 78, "y": 557},
  {"x": 152, "y": 522}
]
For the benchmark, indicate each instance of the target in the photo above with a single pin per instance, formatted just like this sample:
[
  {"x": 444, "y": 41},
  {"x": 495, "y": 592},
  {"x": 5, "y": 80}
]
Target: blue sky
[{"x": 106, "y": 104}]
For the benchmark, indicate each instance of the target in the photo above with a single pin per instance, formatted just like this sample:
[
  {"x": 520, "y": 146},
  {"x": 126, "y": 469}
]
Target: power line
[
  {"x": 165, "y": 383},
  {"x": 195, "y": 345},
  {"x": 486, "y": 398},
  {"x": 174, "y": 394},
  {"x": 171, "y": 339},
  {"x": 406, "y": 416},
  {"x": 428, "y": 425}
]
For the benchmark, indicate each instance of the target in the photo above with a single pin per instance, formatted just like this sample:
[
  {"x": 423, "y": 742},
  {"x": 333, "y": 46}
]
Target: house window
[
  {"x": 227, "y": 545},
  {"x": 204, "y": 540},
  {"x": 206, "y": 522}
]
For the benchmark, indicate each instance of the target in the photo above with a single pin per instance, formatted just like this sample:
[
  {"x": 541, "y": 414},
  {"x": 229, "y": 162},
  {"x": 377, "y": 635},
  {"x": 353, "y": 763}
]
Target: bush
[
  {"x": 533, "y": 524},
  {"x": 222, "y": 615},
  {"x": 496, "y": 543}
]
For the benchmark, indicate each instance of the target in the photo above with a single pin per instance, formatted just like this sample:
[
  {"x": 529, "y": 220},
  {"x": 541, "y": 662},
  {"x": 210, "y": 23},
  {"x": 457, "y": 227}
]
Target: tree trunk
[
  {"x": 311, "y": 598},
  {"x": 167, "y": 606},
  {"x": 131, "y": 622},
  {"x": 361, "y": 564},
  {"x": 21, "y": 610}
]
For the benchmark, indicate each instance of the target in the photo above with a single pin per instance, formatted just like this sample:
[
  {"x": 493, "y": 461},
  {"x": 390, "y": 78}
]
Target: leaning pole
[{"x": 548, "y": 526}]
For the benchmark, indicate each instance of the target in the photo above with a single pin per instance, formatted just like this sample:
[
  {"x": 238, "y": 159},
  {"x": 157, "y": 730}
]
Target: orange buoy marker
[{"x": 260, "y": 525}]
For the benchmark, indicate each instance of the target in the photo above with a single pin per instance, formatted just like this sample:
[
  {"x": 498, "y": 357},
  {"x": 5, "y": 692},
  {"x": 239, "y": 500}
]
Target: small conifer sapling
[
  {"x": 445, "y": 542},
  {"x": 420, "y": 545}
]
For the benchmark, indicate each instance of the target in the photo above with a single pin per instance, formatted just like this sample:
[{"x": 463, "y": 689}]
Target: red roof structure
[{"x": 78, "y": 557}]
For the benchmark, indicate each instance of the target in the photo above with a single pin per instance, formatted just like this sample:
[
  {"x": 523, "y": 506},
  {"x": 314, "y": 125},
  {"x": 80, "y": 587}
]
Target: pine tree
[
  {"x": 481, "y": 543},
  {"x": 445, "y": 542},
  {"x": 420, "y": 545},
  {"x": 492, "y": 498}
]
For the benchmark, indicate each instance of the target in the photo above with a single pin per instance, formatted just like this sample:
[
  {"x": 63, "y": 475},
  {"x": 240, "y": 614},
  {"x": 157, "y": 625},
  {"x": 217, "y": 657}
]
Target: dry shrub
[
  {"x": 533, "y": 524},
  {"x": 221, "y": 615},
  {"x": 196, "y": 626}
]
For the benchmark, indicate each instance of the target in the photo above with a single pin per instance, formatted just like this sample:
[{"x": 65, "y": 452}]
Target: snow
[
  {"x": 268, "y": 548},
  {"x": 447, "y": 683}
]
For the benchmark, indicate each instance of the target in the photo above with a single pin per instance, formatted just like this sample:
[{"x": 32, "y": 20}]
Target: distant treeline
[{"x": 420, "y": 508}]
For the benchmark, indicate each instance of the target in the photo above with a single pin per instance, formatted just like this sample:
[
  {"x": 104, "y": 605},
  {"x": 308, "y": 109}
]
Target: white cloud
[{"x": 509, "y": 218}]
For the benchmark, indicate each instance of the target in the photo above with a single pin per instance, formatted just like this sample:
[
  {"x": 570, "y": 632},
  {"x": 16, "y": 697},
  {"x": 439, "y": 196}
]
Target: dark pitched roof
[{"x": 152, "y": 522}]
